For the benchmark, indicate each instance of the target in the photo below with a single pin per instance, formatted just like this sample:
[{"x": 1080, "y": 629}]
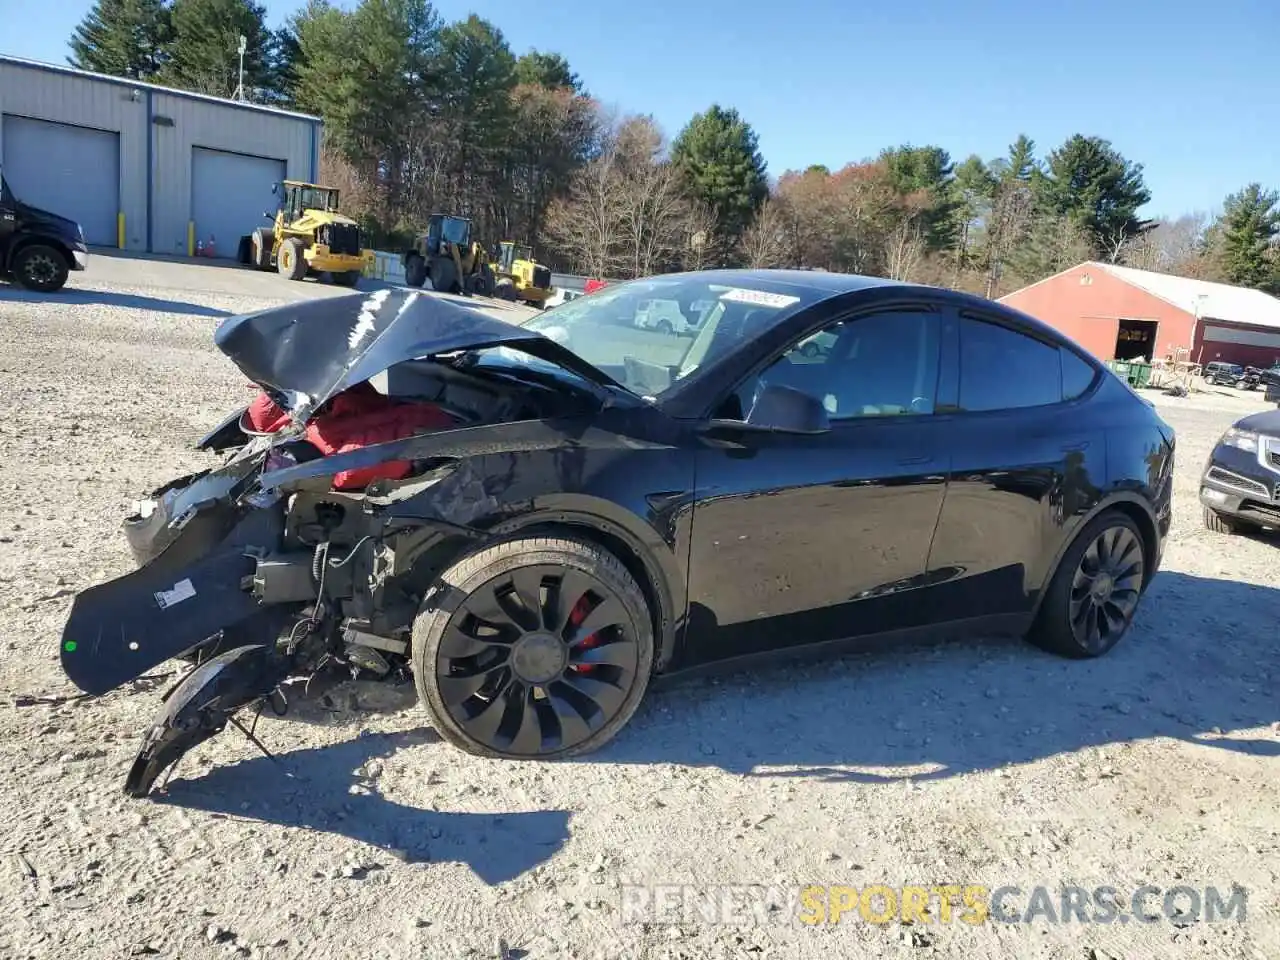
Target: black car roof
[{"x": 818, "y": 282}]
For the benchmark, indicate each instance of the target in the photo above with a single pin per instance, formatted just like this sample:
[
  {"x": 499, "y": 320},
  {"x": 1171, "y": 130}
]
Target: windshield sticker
[{"x": 759, "y": 298}]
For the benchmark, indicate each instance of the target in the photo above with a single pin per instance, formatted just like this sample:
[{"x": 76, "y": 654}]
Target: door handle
[{"x": 1075, "y": 445}]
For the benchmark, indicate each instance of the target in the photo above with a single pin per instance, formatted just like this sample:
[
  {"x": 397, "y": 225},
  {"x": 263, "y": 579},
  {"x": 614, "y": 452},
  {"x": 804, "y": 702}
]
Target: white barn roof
[{"x": 1217, "y": 301}]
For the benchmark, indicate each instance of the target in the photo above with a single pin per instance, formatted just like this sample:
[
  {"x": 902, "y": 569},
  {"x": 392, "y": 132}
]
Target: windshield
[
  {"x": 650, "y": 334},
  {"x": 456, "y": 230},
  {"x": 316, "y": 198}
]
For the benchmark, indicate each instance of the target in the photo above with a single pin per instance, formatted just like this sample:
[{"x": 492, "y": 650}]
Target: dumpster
[{"x": 1140, "y": 374}]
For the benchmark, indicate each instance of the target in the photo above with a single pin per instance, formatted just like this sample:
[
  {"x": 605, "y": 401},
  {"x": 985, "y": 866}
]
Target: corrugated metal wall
[
  {"x": 85, "y": 102},
  {"x": 199, "y": 123},
  {"x": 177, "y": 124}
]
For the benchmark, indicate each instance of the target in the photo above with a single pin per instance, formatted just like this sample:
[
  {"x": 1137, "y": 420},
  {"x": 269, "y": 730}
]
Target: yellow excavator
[
  {"x": 518, "y": 276},
  {"x": 309, "y": 235},
  {"x": 447, "y": 256}
]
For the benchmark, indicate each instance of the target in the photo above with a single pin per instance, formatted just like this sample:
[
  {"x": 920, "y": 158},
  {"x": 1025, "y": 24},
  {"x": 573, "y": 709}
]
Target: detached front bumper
[
  {"x": 210, "y": 565},
  {"x": 1242, "y": 484}
]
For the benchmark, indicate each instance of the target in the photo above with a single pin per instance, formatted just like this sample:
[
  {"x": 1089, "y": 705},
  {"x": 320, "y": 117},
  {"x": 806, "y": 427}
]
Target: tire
[
  {"x": 41, "y": 268},
  {"x": 261, "y": 252},
  {"x": 1219, "y": 524},
  {"x": 664, "y": 327},
  {"x": 481, "y": 284},
  {"x": 347, "y": 278},
  {"x": 572, "y": 672},
  {"x": 290, "y": 261},
  {"x": 415, "y": 271},
  {"x": 505, "y": 290},
  {"x": 1065, "y": 607},
  {"x": 444, "y": 275},
  {"x": 244, "y": 250}
]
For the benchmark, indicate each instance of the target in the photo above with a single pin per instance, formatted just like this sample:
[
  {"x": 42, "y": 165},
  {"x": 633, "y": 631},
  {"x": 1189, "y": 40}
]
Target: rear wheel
[
  {"x": 261, "y": 252},
  {"x": 1094, "y": 594},
  {"x": 290, "y": 261},
  {"x": 1219, "y": 524},
  {"x": 534, "y": 648},
  {"x": 41, "y": 268}
]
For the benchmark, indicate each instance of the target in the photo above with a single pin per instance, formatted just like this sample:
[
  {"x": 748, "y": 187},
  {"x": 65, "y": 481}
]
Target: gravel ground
[{"x": 979, "y": 763}]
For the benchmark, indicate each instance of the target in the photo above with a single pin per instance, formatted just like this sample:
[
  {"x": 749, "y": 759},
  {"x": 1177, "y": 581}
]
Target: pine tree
[
  {"x": 549, "y": 70},
  {"x": 123, "y": 38},
  {"x": 929, "y": 169},
  {"x": 718, "y": 157},
  {"x": 204, "y": 56},
  {"x": 1246, "y": 234},
  {"x": 1090, "y": 183}
]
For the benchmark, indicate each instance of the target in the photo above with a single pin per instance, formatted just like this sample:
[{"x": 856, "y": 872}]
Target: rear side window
[
  {"x": 1077, "y": 375},
  {"x": 1001, "y": 369}
]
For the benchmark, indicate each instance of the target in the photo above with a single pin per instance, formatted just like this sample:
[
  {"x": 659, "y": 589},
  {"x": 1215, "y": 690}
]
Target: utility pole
[{"x": 239, "y": 94}]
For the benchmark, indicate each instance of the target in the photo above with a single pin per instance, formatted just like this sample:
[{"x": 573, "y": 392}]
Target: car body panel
[{"x": 305, "y": 353}]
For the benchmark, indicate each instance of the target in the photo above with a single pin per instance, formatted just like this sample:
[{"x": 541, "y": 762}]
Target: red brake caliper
[{"x": 580, "y": 611}]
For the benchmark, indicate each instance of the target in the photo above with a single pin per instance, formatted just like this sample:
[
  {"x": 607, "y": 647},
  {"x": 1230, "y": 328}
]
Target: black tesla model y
[{"x": 534, "y": 519}]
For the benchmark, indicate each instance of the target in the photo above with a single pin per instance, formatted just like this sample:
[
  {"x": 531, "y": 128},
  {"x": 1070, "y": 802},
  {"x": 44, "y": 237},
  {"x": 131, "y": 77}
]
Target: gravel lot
[{"x": 985, "y": 763}]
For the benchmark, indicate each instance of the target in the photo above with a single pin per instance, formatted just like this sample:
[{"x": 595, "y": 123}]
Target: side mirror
[{"x": 788, "y": 410}]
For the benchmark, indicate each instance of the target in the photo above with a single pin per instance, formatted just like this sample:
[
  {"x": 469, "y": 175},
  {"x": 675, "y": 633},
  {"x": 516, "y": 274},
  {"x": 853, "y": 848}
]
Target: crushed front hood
[{"x": 306, "y": 352}]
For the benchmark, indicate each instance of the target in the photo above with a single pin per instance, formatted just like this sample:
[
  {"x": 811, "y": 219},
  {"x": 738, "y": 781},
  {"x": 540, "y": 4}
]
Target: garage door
[
  {"x": 71, "y": 171},
  {"x": 229, "y": 194}
]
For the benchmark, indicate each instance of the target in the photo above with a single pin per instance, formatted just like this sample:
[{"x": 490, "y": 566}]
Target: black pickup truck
[{"x": 38, "y": 249}]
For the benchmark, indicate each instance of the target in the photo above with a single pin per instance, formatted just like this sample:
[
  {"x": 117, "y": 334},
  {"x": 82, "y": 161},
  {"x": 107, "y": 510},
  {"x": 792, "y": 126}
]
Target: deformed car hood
[{"x": 304, "y": 353}]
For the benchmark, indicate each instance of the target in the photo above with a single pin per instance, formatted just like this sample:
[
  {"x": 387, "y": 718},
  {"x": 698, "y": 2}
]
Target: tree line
[{"x": 425, "y": 116}]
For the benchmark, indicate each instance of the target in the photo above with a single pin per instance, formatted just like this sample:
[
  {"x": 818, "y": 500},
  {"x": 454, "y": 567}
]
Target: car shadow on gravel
[
  {"x": 87, "y": 298},
  {"x": 334, "y": 789},
  {"x": 1202, "y": 658}
]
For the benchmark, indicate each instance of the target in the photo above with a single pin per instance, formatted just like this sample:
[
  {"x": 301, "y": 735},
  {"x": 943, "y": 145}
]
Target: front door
[
  {"x": 805, "y": 539},
  {"x": 8, "y": 218}
]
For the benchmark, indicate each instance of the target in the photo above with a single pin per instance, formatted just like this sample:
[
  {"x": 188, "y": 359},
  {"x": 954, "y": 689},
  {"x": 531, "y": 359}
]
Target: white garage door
[
  {"x": 71, "y": 171},
  {"x": 229, "y": 194}
]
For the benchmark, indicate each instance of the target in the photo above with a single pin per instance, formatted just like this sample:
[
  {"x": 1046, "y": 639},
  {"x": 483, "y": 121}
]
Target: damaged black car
[{"x": 535, "y": 520}]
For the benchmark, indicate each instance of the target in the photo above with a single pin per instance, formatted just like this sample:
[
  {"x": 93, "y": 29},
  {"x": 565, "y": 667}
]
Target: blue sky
[{"x": 1189, "y": 89}]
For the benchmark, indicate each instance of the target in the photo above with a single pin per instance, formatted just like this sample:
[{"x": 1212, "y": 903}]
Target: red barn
[{"x": 1119, "y": 313}]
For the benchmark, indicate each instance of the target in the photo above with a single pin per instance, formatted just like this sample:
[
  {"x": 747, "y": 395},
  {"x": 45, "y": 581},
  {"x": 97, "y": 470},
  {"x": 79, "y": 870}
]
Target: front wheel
[
  {"x": 290, "y": 260},
  {"x": 415, "y": 271},
  {"x": 534, "y": 648},
  {"x": 1094, "y": 594},
  {"x": 347, "y": 278},
  {"x": 1219, "y": 524},
  {"x": 41, "y": 268}
]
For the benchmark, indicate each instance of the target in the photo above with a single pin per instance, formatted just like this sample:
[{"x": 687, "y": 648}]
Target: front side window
[
  {"x": 1002, "y": 369},
  {"x": 881, "y": 365}
]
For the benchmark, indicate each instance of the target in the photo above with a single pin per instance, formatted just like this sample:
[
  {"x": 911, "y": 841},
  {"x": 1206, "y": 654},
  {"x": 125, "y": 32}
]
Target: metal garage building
[
  {"x": 1126, "y": 314},
  {"x": 143, "y": 167}
]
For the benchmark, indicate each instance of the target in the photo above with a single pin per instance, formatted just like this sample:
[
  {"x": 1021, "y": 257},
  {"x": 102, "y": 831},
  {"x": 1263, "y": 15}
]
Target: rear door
[{"x": 1025, "y": 458}]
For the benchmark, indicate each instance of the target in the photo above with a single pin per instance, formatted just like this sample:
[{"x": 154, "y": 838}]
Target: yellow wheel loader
[
  {"x": 310, "y": 236},
  {"x": 518, "y": 276},
  {"x": 447, "y": 256}
]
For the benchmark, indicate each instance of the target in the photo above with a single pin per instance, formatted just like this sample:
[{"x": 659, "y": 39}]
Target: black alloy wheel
[
  {"x": 1106, "y": 588},
  {"x": 40, "y": 268},
  {"x": 546, "y": 653},
  {"x": 1094, "y": 593}
]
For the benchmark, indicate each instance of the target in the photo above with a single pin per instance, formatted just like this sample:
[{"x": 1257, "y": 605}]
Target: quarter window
[
  {"x": 1077, "y": 375},
  {"x": 1001, "y": 369},
  {"x": 881, "y": 365}
]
